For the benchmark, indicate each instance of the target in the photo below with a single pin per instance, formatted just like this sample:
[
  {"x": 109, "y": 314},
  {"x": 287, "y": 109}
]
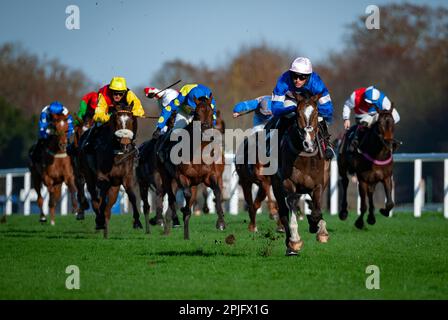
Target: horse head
[
  {"x": 124, "y": 126},
  {"x": 58, "y": 129},
  {"x": 385, "y": 125},
  {"x": 204, "y": 112},
  {"x": 307, "y": 121}
]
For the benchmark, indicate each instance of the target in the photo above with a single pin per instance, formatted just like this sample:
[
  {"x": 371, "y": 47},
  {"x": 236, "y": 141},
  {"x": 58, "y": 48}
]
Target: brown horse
[
  {"x": 111, "y": 165},
  {"x": 149, "y": 176},
  {"x": 190, "y": 174},
  {"x": 253, "y": 174},
  {"x": 302, "y": 170},
  {"x": 221, "y": 127},
  {"x": 372, "y": 163},
  {"x": 54, "y": 167}
]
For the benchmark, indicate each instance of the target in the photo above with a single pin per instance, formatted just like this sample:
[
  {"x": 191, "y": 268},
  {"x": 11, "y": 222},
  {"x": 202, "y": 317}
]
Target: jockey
[
  {"x": 262, "y": 107},
  {"x": 184, "y": 105},
  {"x": 45, "y": 117},
  {"x": 301, "y": 79},
  {"x": 163, "y": 98},
  {"x": 109, "y": 97},
  {"x": 87, "y": 106},
  {"x": 363, "y": 101}
]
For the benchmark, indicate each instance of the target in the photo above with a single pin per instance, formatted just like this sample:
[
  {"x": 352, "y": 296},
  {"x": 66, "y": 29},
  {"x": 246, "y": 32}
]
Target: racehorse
[
  {"x": 111, "y": 165},
  {"x": 149, "y": 175},
  {"x": 54, "y": 166},
  {"x": 372, "y": 163},
  {"x": 80, "y": 128},
  {"x": 190, "y": 174},
  {"x": 221, "y": 127},
  {"x": 248, "y": 177},
  {"x": 302, "y": 170}
]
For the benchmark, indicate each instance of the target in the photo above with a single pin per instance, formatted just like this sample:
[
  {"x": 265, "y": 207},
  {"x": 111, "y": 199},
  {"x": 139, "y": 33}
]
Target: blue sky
[{"x": 133, "y": 38}]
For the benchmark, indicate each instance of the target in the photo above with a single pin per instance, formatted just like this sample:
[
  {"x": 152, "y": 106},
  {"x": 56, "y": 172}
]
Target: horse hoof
[
  {"x": 137, "y": 225},
  {"x": 322, "y": 238},
  {"x": 220, "y": 226},
  {"x": 371, "y": 219},
  {"x": 296, "y": 246},
  {"x": 384, "y": 212},
  {"x": 343, "y": 215},
  {"x": 290, "y": 252},
  {"x": 252, "y": 228},
  {"x": 80, "y": 216},
  {"x": 43, "y": 220},
  {"x": 280, "y": 230},
  {"x": 206, "y": 210},
  {"x": 176, "y": 224},
  {"x": 52, "y": 223},
  {"x": 100, "y": 227},
  {"x": 359, "y": 224},
  {"x": 313, "y": 228}
]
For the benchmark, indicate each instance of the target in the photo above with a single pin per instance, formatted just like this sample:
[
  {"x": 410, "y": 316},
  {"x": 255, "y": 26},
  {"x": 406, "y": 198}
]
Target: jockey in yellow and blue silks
[
  {"x": 301, "y": 79},
  {"x": 184, "y": 105},
  {"x": 262, "y": 113}
]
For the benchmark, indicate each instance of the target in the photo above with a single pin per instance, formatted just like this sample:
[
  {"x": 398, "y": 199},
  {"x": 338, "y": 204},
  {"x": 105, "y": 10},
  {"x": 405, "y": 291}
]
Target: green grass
[{"x": 411, "y": 254}]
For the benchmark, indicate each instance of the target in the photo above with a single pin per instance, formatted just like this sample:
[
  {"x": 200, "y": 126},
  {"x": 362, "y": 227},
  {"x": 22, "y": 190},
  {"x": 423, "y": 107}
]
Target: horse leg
[
  {"x": 71, "y": 184},
  {"x": 247, "y": 191},
  {"x": 371, "y": 216},
  {"x": 293, "y": 243},
  {"x": 205, "y": 207},
  {"x": 187, "y": 211},
  {"x": 100, "y": 218},
  {"x": 143, "y": 187},
  {"x": 387, "y": 183},
  {"x": 172, "y": 207},
  {"x": 135, "y": 214},
  {"x": 316, "y": 215},
  {"x": 362, "y": 188},
  {"x": 194, "y": 196},
  {"x": 273, "y": 210},
  {"x": 37, "y": 184},
  {"x": 343, "y": 212},
  {"x": 82, "y": 200},
  {"x": 55, "y": 195},
  {"x": 216, "y": 187},
  {"x": 112, "y": 195}
]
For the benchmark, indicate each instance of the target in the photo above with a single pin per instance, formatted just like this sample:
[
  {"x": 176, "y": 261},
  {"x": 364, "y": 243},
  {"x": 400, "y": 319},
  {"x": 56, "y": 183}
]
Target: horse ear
[
  {"x": 210, "y": 99},
  {"x": 298, "y": 96},
  {"x": 196, "y": 101},
  {"x": 132, "y": 104},
  {"x": 392, "y": 106},
  {"x": 376, "y": 108}
]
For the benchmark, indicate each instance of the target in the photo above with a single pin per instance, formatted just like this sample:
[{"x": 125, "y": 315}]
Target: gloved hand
[{"x": 156, "y": 134}]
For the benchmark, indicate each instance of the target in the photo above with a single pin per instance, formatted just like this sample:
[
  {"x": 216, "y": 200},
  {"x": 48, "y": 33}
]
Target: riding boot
[
  {"x": 329, "y": 152},
  {"x": 88, "y": 142}
]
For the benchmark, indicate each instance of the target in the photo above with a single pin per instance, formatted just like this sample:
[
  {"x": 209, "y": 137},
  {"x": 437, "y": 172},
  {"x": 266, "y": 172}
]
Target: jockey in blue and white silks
[
  {"x": 301, "y": 79},
  {"x": 45, "y": 116},
  {"x": 262, "y": 113},
  {"x": 162, "y": 97},
  {"x": 184, "y": 105}
]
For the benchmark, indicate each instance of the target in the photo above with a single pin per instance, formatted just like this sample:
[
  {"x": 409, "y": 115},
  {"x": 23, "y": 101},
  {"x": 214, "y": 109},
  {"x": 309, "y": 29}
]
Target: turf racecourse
[{"x": 410, "y": 253}]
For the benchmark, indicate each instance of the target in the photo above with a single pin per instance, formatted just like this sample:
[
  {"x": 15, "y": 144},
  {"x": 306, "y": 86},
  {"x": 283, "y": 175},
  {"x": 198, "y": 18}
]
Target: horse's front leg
[
  {"x": 55, "y": 195},
  {"x": 128, "y": 183},
  {"x": 362, "y": 189},
  {"x": 343, "y": 212},
  {"x": 100, "y": 219},
  {"x": 187, "y": 211},
  {"x": 37, "y": 185},
  {"x": 293, "y": 243},
  {"x": 214, "y": 184},
  {"x": 112, "y": 195},
  {"x": 371, "y": 216},
  {"x": 316, "y": 215},
  {"x": 71, "y": 184},
  {"x": 143, "y": 187},
  {"x": 388, "y": 184}
]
